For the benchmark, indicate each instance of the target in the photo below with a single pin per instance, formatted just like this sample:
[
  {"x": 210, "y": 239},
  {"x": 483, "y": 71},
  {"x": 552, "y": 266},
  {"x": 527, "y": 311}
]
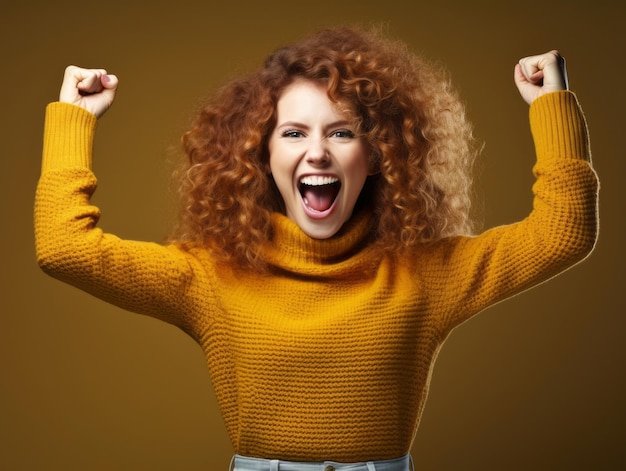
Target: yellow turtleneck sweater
[{"x": 322, "y": 358}]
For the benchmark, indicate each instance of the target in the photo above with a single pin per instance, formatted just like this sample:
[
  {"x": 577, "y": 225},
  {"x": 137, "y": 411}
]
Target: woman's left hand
[{"x": 540, "y": 74}]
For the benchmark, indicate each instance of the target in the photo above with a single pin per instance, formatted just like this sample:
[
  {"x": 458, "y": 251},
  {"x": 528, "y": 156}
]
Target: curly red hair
[{"x": 420, "y": 142}]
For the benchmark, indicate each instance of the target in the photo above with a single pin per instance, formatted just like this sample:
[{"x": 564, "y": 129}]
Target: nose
[{"x": 317, "y": 152}]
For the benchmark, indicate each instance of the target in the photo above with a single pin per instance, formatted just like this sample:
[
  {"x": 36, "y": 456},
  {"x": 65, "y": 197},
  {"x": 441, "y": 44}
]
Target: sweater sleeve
[
  {"x": 142, "y": 277},
  {"x": 468, "y": 274}
]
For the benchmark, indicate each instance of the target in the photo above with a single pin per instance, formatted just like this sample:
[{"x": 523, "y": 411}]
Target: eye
[
  {"x": 292, "y": 133},
  {"x": 342, "y": 134}
]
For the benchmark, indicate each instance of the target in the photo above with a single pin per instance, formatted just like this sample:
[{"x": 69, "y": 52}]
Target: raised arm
[
  {"x": 143, "y": 277},
  {"x": 472, "y": 273}
]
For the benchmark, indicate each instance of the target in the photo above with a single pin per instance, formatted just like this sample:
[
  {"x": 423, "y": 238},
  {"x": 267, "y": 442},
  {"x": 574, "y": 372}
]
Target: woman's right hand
[{"x": 91, "y": 89}]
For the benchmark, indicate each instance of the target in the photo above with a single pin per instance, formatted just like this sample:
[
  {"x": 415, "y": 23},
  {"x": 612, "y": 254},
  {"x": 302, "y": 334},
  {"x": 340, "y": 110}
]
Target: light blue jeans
[{"x": 243, "y": 463}]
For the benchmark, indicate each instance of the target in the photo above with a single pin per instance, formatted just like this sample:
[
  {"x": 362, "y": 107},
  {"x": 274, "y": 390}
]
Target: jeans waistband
[{"x": 243, "y": 463}]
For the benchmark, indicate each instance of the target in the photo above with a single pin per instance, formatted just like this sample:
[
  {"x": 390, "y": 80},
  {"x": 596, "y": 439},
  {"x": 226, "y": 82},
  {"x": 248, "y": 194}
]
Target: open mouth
[{"x": 319, "y": 192}]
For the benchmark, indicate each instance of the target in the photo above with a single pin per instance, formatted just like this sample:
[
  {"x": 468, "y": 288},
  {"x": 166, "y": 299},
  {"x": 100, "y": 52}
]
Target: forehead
[{"x": 309, "y": 98}]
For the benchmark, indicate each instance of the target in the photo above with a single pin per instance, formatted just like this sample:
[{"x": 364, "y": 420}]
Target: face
[{"x": 317, "y": 161}]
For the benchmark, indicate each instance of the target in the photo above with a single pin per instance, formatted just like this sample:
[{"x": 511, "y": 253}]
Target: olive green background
[{"x": 536, "y": 382}]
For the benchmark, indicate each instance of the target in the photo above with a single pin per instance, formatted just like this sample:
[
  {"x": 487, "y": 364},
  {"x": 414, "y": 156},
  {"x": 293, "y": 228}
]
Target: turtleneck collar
[{"x": 294, "y": 251}]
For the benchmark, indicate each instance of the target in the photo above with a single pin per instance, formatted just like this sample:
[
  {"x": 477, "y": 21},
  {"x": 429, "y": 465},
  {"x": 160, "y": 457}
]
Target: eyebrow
[{"x": 297, "y": 124}]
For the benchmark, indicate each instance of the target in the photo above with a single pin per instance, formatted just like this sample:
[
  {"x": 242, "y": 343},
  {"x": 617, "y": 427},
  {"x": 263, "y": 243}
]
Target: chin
[
  {"x": 320, "y": 231},
  {"x": 320, "y": 234}
]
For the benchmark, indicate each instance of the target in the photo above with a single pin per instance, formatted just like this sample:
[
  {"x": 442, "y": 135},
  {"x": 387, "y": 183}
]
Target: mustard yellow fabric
[{"x": 327, "y": 356}]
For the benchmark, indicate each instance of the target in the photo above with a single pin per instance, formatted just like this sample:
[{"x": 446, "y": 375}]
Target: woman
[{"x": 325, "y": 249}]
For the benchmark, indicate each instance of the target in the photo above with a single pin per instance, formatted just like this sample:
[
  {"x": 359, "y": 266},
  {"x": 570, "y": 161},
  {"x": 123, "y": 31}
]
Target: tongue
[{"x": 319, "y": 198}]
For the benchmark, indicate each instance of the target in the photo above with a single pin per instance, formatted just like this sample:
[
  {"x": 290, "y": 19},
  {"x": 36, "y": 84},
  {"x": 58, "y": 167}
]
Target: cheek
[
  {"x": 280, "y": 169},
  {"x": 276, "y": 165},
  {"x": 275, "y": 160}
]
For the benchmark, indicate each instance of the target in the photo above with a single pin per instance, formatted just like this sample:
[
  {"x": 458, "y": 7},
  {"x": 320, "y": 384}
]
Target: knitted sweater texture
[{"x": 328, "y": 355}]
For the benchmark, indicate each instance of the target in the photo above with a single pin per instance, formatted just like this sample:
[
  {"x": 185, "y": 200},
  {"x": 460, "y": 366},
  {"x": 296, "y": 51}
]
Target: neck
[{"x": 292, "y": 250}]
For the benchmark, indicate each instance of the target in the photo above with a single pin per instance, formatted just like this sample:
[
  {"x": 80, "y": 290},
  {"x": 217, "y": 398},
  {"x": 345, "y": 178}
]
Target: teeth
[{"x": 318, "y": 180}]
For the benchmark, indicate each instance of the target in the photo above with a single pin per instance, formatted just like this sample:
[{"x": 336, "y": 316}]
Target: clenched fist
[
  {"x": 540, "y": 74},
  {"x": 91, "y": 89}
]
